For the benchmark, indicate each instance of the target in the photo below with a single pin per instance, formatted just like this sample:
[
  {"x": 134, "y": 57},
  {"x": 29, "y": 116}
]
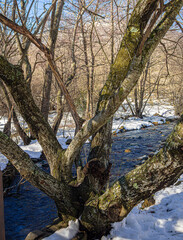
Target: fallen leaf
[{"x": 127, "y": 150}]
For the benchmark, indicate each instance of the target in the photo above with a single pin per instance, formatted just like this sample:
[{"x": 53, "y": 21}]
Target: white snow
[
  {"x": 135, "y": 123},
  {"x": 162, "y": 221},
  {"x": 162, "y": 109},
  {"x": 130, "y": 124},
  {"x": 33, "y": 149},
  {"x": 156, "y": 114},
  {"x": 65, "y": 233},
  {"x": 3, "y": 162},
  {"x": 2, "y": 122},
  {"x": 157, "y": 107}
]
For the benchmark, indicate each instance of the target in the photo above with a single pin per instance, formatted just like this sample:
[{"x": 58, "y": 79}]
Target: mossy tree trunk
[
  {"x": 82, "y": 196},
  {"x": 125, "y": 73},
  {"x": 158, "y": 172}
]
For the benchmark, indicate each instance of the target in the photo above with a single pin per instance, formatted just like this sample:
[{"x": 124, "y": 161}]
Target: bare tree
[
  {"x": 12, "y": 115},
  {"x": 54, "y": 28}
]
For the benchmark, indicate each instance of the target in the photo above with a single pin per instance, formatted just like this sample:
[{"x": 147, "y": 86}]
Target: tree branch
[
  {"x": 178, "y": 23},
  {"x": 27, "y": 168},
  {"x": 129, "y": 80},
  {"x": 24, "y": 31},
  {"x": 13, "y": 77},
  {"x": 158, "y": 172},
  {"x": 64, "y": 195},
  {"x": 171, "y": 11}
]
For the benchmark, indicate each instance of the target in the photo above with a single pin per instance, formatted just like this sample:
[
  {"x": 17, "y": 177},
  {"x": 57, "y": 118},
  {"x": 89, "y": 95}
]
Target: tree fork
[
  {"x": 99, "y": 211},
  {"x": 118, "y": 73},
  {"x": 158, "y": 172},
  {"x": 121, "y": 70},
  {"x": 65, "y": 196},
  {"x": 13, "y": 77}
]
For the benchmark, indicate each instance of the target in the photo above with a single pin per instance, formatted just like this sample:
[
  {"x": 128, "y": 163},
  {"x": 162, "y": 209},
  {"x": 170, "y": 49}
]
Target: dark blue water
[
  {"x": 30, "y": 209},
  {"x": 140, "y": 143},
  {"x": 27, "y": 210}
]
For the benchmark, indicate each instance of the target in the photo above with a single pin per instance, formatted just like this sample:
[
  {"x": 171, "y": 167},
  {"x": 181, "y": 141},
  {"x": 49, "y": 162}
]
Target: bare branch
[{"x": 22, "y": 30}]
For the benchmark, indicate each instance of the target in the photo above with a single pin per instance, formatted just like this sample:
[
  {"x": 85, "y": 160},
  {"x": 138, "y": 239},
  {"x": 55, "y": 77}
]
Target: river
[{"x": 30, "y": 209}]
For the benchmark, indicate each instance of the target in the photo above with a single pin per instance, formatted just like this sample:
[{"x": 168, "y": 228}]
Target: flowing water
[{"x": 30, "y": 209}]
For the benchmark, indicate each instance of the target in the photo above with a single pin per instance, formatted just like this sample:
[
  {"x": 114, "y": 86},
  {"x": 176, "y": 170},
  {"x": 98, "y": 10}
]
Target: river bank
[{"x": 29, "y": 209}]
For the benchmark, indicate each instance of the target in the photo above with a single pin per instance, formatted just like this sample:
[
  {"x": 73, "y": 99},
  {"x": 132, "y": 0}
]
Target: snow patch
[
  {"x": 134, "y": 123},
  {"x": 65, "y": 233},
  {"x": 162, "y": 221},
  {"x": 3, "y": 162}
]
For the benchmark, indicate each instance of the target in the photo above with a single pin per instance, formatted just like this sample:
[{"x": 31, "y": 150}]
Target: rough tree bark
[
  {"x": 120, "y": 72},
  {"x": 82, "y": 197},
  {"x": 159, "y": 171},
  {"x": 7, "y": 126}
]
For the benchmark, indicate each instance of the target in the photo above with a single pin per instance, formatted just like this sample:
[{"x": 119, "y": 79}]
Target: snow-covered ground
[
  {"x": 65, "y": 233},
  {"x": 3, "y": 162},
  {"x": 162, "y": 221},
  {"x": 153, "y": 115}
]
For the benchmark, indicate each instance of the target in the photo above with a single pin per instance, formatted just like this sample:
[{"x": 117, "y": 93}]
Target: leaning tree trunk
[
  {"x": 14, "y": 79},
  {"x": 159, "y": 171},
  {"x": 45, "y": 104},
  {"x": 65, "y": 196},
  {"x": 101, "y": 142}
]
